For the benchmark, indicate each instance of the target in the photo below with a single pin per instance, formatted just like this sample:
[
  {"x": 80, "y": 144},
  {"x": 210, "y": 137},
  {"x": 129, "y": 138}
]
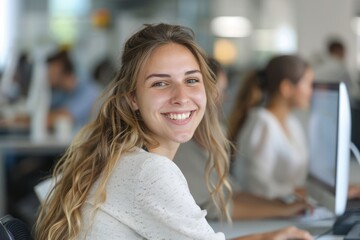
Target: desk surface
[
  {"x": 23, "y": 143},
  {"x": 242, "y": 228}
]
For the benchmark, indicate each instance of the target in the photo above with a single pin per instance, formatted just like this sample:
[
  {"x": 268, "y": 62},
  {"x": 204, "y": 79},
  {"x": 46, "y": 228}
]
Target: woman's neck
[
  {"x": 168, "y": 150},
  {"x": 280, "y": 109}
]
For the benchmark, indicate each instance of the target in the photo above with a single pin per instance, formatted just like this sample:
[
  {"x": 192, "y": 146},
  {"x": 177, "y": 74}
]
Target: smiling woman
[{"x": 106, "y": 186}]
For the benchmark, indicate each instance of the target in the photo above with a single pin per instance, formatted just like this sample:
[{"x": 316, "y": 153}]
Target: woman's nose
[{"x": 180, "y": 95}]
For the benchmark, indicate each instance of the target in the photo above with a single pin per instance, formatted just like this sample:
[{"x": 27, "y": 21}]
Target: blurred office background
[{"x": 241, "y": 34}]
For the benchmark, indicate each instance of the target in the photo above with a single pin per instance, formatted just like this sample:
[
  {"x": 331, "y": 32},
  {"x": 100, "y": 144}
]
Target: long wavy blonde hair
[{"x": 117, "y": 129}]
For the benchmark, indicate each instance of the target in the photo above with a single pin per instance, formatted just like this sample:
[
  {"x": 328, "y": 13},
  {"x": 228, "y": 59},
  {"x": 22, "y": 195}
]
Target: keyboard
[
  {"x": 319, "y": 213},
  {"x": 317, "y": 223}
]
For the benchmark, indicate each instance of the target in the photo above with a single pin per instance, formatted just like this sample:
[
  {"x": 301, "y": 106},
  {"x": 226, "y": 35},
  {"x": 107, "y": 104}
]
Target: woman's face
[
  {"x": 303, "y": 90},
  {"x": 170, "y": 95}
]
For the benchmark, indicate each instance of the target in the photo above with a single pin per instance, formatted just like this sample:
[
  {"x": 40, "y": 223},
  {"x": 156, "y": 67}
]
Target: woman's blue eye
[
  {"x": 158, "y": 84},
  {"x": 192, "y": 80}
]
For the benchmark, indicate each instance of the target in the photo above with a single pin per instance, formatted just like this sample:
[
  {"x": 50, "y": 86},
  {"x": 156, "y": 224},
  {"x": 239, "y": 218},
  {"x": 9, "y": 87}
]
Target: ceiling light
[{"x": 231, "y": 26}]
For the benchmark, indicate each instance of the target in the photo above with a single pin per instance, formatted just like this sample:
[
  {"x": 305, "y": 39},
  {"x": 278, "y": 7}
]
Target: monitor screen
[
  {"x": 329, "y": 144},
  {"x": 323, "y": 136}
]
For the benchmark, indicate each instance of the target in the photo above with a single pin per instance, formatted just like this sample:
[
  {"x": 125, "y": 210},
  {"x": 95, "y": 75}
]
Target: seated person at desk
[
  {"x": 192, "y": 158},
  {"x": 333, "y": 66},
  {"x": 71, "y": 96},
  {"x": 271, "y": 155}
]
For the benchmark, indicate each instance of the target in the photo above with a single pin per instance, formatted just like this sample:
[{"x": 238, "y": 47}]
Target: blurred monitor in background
[
  {"x": 22, "y": 76},
  {"x": 329, "y": 141}
]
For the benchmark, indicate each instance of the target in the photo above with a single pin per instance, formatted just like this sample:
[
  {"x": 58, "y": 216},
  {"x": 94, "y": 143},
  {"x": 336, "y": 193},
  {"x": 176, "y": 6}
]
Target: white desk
[
  {"x": 242, "y": 228},
  {"x": 23, "y": 145}
]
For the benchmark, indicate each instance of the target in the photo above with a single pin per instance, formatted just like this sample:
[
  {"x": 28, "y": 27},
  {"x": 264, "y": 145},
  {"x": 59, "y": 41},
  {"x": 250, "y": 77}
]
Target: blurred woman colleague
[
  {"x": 271, "y": 157},
  {"x": 192, "y": 158},
  {"x": 117, "y": 180}
]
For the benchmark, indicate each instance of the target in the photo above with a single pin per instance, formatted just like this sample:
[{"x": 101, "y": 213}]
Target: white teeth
[{"x": 180, "y": 116}]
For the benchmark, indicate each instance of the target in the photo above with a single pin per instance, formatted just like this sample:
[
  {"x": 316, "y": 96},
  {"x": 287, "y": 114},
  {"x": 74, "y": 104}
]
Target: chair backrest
[
  {"x": 13, "y": 229},
  {"x": 5, "y": 234}
]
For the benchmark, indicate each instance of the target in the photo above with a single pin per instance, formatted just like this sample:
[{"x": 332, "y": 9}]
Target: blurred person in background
[
  {"x": 103, "y": 70},
  {"x": 271, "y": 156},
  {"x": 71, "y": 96},
  {"x": 192, "y": 158},
  {"x": 332, "y": 68}
]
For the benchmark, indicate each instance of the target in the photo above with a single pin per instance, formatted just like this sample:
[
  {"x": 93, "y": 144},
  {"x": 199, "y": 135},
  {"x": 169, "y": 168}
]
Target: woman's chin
[{"x": 184, "y": 138}]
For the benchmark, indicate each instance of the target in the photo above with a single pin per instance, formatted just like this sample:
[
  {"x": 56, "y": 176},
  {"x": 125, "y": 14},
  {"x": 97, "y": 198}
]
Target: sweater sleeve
[{"x": 168, "y": 209}]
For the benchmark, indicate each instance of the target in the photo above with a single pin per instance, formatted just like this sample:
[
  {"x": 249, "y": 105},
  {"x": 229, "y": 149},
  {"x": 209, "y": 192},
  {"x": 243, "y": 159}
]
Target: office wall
[
  {"x": 243, "y": 8},
  {"x": 319, "y": 19}
]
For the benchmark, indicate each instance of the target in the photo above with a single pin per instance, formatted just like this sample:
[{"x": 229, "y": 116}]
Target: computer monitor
[{"x": 329, "y": 140}]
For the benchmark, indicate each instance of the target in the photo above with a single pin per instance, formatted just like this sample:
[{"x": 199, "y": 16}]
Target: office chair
[{"x": 13, "y": 229}]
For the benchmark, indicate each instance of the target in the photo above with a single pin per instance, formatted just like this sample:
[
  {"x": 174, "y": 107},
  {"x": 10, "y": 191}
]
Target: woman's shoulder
[
  {"x": 140, "y": 162},
  {"x": 152, "y": 171},
  {"x": 259, "y": 124},
  {"x": 143, "y": 158},
  {"x": 260, "y": 117},
  {"x": 162, "y": 166}
]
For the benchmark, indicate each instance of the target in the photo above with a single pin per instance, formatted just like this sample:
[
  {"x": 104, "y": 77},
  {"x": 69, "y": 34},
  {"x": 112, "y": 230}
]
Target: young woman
[
  {"x": 117, "y": 180},
  {"x": 271, "y": 157}
]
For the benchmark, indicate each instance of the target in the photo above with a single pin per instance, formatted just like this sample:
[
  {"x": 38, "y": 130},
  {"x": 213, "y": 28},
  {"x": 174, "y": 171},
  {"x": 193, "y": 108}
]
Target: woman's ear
[
  {"x": 133, "y": 101},
  {"x": 286, "y": 88}
]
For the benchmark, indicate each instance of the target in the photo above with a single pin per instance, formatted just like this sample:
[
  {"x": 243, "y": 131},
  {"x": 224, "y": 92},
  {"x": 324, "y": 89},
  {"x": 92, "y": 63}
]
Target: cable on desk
[{"x": 323, "y": 234}]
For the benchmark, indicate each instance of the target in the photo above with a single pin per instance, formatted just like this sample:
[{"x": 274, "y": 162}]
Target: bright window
[
  {"x": 4, "y": 31},
  {"x": 65, "y": 19}
]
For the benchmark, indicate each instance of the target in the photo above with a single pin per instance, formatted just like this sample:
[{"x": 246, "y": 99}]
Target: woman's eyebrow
[
  {"x": 192, "y": 71},
  {"x": 163, "y": 75}
]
